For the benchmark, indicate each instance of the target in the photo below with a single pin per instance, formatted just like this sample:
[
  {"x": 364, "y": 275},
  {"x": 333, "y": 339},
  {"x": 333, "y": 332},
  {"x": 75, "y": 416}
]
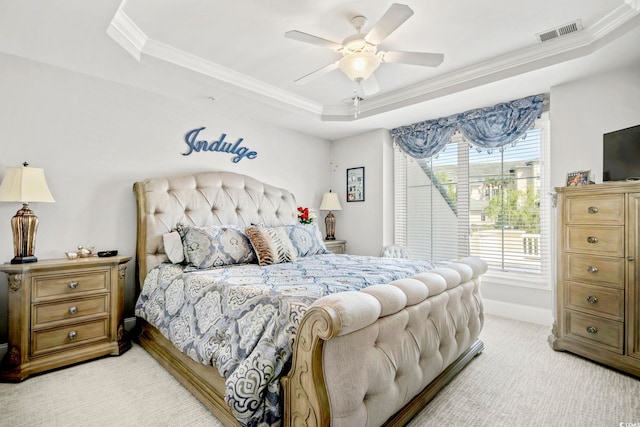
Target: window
[{"x": 489, "y": 204}]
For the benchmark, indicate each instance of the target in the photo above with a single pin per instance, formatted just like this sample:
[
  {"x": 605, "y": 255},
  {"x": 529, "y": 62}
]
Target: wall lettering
[{"x": 221, "y": 146}]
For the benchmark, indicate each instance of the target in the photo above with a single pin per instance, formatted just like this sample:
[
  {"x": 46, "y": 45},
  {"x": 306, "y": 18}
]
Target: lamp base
[
  {"x": 330, "y": 225},
  {"x": 23, "y": 259}
]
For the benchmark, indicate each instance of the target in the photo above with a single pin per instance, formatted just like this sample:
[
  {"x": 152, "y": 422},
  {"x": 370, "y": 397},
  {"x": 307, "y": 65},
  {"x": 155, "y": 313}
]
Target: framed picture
[
  {"x": 578, "y": 178},
  {"x": 355, "y": 184}
]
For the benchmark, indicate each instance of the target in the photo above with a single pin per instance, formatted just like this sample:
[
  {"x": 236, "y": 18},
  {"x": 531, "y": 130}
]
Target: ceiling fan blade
[
  {"x": 317, "y": 73},
  {"x": 308, "y": 38},
  {"x": 370, "y": 85},
  {"x": 414, "y": 58},
  {"x": 395, "y": 16}
]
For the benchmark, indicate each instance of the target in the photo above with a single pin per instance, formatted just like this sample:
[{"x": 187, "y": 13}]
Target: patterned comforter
[{"x": 243, "y": 319}]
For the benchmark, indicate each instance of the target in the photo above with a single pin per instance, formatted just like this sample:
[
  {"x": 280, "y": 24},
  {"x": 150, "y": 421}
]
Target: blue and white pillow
[
  {"x": 306, "y": 239},
  {"x": 216, "y": 246}
]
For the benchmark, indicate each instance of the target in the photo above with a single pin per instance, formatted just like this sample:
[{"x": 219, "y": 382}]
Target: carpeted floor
[{"x": 517, "y": 381}]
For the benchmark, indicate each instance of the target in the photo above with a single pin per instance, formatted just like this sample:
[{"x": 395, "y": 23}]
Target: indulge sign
[{"x": 220, "y": 146}]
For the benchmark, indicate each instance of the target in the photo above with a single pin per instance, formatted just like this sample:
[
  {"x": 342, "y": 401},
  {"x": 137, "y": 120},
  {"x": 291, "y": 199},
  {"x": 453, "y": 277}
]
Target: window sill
[{"x": 522, "y": 280}]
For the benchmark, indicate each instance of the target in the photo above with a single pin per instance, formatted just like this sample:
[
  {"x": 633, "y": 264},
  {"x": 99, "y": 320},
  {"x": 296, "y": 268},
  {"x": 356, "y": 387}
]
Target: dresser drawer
[
  {"x": 596, "y": 300},
  {"x": 595, "y": 269},
  {"x": 600, "y": 209},
  {"x": 607, "y": 333},
  {"x": 47, "y": 340},
  {"x": 70, "y": 284},
  {"x": 69, "y": 309},
  {"x": 606, "y": 241}
]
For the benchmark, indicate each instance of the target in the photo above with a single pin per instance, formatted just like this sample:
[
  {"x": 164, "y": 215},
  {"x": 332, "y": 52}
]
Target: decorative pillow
[
  {"x": 272, "y": 245},
  {"x": 307, "y": 239},
  {"x": 173, "y": 247},
  {"x": 206, "y": 247}
]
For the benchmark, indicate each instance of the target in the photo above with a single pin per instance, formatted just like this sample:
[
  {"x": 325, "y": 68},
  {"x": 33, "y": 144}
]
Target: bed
[{"x": 341, "y": 340}]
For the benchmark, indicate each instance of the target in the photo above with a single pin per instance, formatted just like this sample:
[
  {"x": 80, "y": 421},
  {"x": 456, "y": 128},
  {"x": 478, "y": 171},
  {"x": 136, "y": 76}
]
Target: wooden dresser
[
  {"x": 63, "y": 312},
  {"x": 598, "y": 282}
]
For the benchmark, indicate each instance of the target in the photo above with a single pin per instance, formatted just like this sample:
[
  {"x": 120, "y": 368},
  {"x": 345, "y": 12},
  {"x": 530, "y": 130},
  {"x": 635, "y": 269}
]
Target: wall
[
  {"x": 368, "y": 225},
  {"x": 95, "y": 138}
]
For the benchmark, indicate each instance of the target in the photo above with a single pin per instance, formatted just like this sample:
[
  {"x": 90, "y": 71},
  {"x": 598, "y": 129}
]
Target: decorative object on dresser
[
  {"x": 330, "y": 202},
  {"x": 24, "y": 184},
  {"x": 336, "y": 246},
  {"x": 598, "y": 282},
  {"x": 63, "y": 312}
]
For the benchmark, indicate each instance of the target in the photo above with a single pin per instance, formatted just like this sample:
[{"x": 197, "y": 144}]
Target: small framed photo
[
  {"x": 578, "y": 178},
  {"x": 355, "y": 184}
]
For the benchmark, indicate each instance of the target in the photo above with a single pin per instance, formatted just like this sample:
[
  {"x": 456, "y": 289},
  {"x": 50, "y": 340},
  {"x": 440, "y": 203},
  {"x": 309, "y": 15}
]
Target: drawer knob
[
  {"x": 592, "y": 330},
  {"x": 592, "y": 269},
  {"x": 73, "y": 309},
  {"x": 73, "y": 285},
  {"x": 592, "y": 299},
  {"x": 72, "y": 335},
  {"x": 592, "y": 239},
  {"x": 592, "y": 210}
]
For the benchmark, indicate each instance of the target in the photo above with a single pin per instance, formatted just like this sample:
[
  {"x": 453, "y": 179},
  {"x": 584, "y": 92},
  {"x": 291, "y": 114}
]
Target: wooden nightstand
[
  {"x": 336, "y": 246},
  {"x": 63, "y": 312}
]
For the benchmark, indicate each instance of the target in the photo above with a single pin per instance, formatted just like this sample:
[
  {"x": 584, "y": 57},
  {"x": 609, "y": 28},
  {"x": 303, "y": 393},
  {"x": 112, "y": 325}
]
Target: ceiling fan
[{"x": 360, "y": 54}]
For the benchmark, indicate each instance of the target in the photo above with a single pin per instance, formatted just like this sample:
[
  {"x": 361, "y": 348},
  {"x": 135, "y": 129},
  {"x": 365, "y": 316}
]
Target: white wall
[
  {"x": 95, "y": 138},
  {"x": 366, "y": 225}
]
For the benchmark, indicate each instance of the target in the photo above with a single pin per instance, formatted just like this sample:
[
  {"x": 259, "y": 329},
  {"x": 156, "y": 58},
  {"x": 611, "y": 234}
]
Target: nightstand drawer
[
  {"x": 48, "y": 340},
  {"x": 69, "y": 284},
  {"x": 608, "y": 333},
  {"x": 595, "y": 269},
  {"x": 605, "y": 241},
  {"x": 596, "y": 300},
  {"x": 69, "y": 309},
  {"x": 600, "y": 209}
]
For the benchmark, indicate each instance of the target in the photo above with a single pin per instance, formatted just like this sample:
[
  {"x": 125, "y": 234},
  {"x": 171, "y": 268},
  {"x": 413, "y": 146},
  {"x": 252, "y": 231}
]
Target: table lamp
[
  {"x": 330, "y": 202},
  {"x": 24, "y": 184}
]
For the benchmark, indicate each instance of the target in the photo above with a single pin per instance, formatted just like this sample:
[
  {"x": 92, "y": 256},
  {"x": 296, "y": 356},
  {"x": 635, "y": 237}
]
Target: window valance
[{"x": 486, "y": 128}]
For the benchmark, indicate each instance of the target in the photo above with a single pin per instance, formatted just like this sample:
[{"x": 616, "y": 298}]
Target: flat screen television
[{"x": 622, "y": 155}]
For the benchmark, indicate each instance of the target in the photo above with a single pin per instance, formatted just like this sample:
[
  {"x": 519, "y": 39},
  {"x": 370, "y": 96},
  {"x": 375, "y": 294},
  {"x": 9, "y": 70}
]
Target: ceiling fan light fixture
[{"x": 359, "y": 65}]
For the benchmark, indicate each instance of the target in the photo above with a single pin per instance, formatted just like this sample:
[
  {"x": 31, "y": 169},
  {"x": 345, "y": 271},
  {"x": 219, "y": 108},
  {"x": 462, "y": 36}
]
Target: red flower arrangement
[{"x": 306, "y": 215}]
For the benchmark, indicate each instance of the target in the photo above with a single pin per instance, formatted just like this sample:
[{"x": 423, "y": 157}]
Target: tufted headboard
[{"x": 203, "y": 199}]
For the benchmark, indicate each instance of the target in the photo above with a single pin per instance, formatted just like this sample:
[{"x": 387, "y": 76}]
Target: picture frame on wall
[
  {"x": 355, "y": 184},
  {"x": 578, "y": 178}
]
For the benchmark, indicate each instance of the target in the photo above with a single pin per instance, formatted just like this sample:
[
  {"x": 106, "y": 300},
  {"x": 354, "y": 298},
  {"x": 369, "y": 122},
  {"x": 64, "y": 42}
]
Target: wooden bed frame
[{"x": 305, "y": 397}]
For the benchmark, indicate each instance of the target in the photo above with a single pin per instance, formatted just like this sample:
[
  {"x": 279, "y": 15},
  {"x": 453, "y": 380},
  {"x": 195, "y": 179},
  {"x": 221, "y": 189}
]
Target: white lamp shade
[
  {"x": 330, "y": 202},
  {"x": 359, "y": 65},
  {"x": 24, "y": 184}
]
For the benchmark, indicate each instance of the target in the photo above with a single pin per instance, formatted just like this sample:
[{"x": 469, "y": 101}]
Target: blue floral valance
[{"x": 486, "y": 128}]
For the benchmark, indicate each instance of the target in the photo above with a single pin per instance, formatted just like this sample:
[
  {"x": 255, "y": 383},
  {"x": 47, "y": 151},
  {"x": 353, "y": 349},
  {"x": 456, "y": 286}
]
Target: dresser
[
  {"x": 336, "y": 246},
  {"x": 62, "y": 312},
  {"x": 598, "y": 274}
]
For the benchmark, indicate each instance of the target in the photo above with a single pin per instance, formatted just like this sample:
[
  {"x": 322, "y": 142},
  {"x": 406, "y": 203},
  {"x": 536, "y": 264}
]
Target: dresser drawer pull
[
  {"x": 592, "y": 330},
  {"x": 73, "y": 285},
  {"x": 592, "y": 269},
  {"x": 73, "y": 309},
  {"x": 592, "y": 210},
  {"x": 72, "y": 335},
  {"x": 592, "y": 300},
  {"x": 592, "y": 239}
]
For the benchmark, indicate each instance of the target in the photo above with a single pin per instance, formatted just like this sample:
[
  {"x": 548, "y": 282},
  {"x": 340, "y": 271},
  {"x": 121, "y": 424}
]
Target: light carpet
[{"x": 517, "y": 381}]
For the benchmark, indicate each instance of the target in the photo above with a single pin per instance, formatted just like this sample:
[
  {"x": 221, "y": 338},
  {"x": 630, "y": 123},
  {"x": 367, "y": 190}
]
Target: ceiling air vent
[{"x": 560, "y": 31}]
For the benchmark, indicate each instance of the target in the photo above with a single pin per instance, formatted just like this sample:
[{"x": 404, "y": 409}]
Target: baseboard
[{"x": 525, "y": 313}]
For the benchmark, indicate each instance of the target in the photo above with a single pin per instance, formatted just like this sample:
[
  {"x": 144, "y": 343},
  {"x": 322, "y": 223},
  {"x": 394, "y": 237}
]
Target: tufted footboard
[{"x": 378, "y": 355}]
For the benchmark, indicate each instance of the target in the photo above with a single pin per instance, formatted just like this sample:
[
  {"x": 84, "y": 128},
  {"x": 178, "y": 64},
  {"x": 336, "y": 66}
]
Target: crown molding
[{"x": 127, "y": 34}]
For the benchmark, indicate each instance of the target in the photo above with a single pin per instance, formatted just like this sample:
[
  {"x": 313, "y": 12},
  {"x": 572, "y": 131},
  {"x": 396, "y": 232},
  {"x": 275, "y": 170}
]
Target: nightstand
[
  {"x": 63, "y": 312},
  {"x": 336, "y": 246}
]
